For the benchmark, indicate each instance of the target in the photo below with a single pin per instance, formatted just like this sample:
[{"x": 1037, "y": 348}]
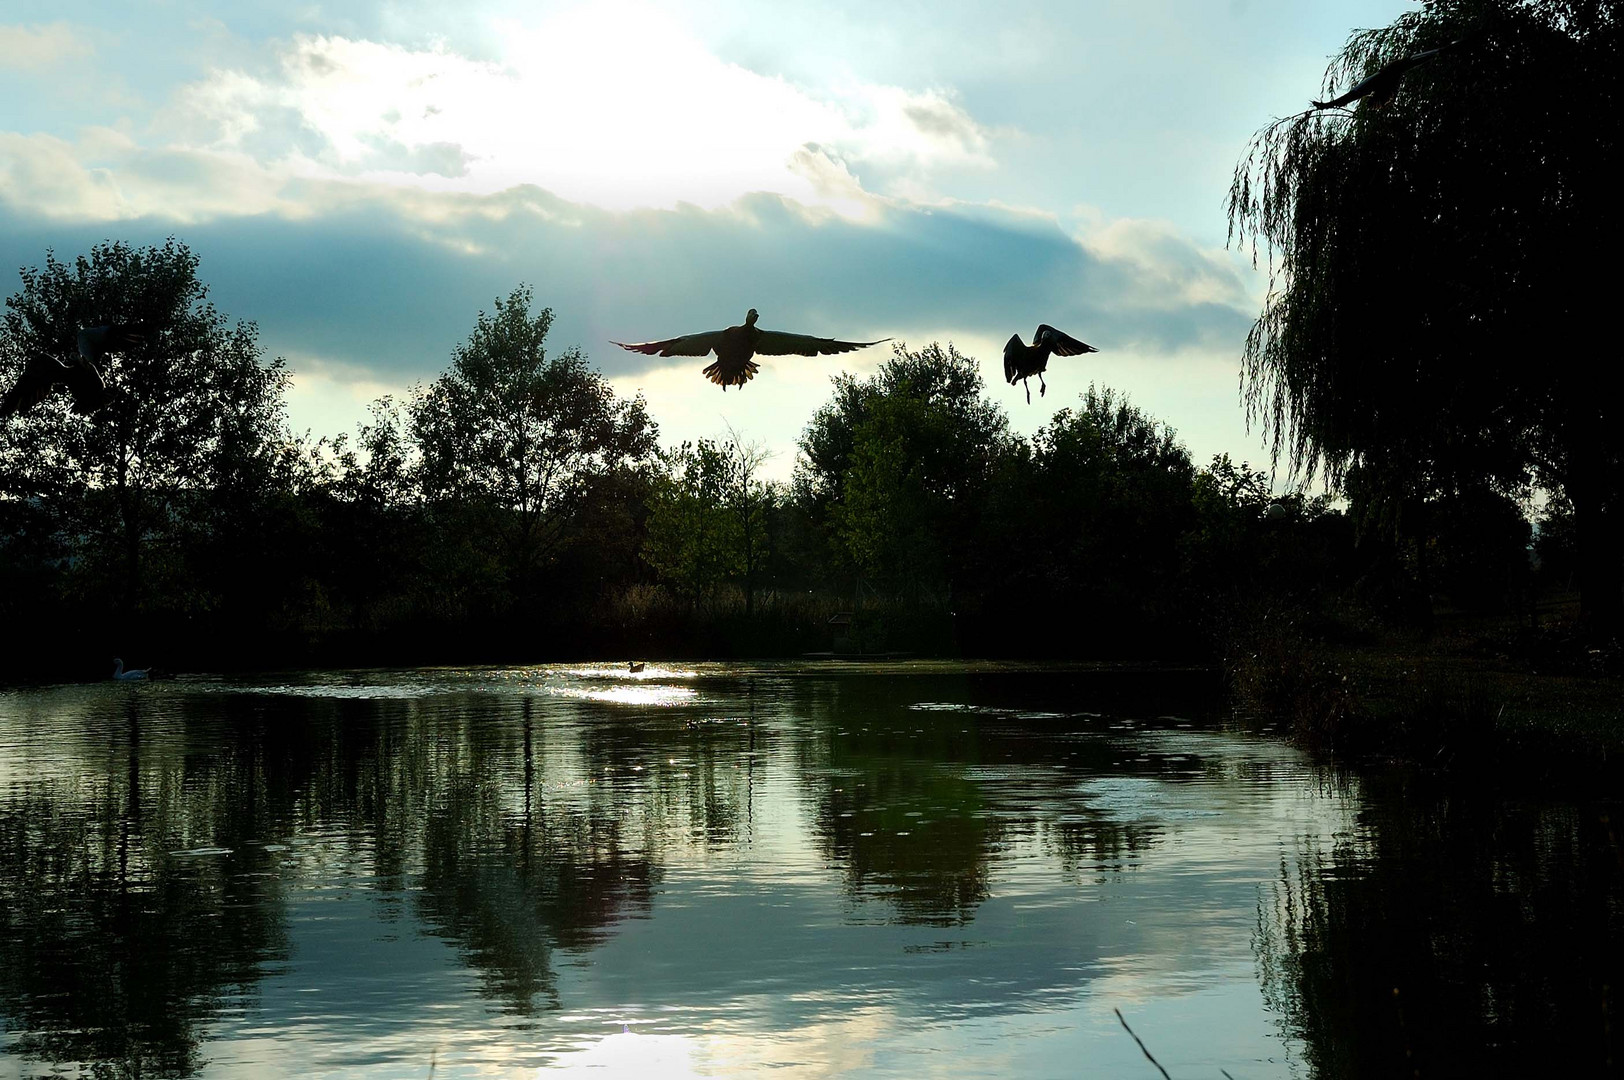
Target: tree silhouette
[
  {"x": 516, "y": 440},
  {"x": 192, "y": 431},
  {"x": 694, "y": 540},
  {"x": 897, "y": 466},
  {"x": 1430, "y": 320}
]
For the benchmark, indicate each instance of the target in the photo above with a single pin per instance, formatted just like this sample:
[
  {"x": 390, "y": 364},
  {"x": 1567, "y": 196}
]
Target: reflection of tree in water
[
  {"x": 1452, "y": 935},
  {"x": 917, "y": 804},
  {"x": 511, "y": 885},
  {"x": 116, "y": 952},
  {"x": 911, "y": 835},
  {"x": 520, "y": 859},
  {"x": 1097, "y": 841}
]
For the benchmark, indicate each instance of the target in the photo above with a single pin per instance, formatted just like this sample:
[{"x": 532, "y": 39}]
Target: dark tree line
[{"x": 516, "y": 508}]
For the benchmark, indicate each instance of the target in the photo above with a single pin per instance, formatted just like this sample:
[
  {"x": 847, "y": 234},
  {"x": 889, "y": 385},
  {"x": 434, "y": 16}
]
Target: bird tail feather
[{"x": 725, "y": 379}]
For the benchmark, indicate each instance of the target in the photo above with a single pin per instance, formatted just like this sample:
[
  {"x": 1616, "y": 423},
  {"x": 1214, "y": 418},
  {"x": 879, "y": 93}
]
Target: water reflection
[
  {"x": 730, "y": 870},
  {"x": 136, "y": 900},
  {"x": 1453, "y": 932}
]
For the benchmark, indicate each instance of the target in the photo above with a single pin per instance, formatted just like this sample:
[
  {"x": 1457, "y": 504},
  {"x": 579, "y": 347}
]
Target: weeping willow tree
[{"x": 1443, "y": 257}]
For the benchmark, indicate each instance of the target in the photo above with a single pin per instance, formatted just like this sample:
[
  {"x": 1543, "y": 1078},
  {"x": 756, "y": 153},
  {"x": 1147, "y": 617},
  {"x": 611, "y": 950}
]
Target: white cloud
[
  {"x": 613, "y": 105},
  {"x": 106, "y": 176},
  {"x": 35, "y": 48}
]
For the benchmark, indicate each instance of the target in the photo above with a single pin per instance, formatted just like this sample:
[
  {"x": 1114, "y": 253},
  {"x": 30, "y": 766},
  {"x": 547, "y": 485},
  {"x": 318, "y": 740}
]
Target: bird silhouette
[
  {"x": 1380, "y": 87},
  {"x": 735, "y": 346},
  {"x": 81, "y": 375},
  {"x": 1023, "y": 361}
]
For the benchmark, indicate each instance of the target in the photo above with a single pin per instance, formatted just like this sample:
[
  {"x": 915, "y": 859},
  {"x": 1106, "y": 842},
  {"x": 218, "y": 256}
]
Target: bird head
[{"x": 751, "y": 317}]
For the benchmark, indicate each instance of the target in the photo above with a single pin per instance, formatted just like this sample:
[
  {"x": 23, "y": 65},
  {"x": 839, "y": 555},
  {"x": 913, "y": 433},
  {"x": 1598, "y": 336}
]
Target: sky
[{"x": 361, "y": 179}]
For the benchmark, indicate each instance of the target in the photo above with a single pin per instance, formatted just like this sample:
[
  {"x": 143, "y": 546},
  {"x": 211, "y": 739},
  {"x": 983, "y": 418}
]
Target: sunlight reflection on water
[{"x": 628, "y": 695}]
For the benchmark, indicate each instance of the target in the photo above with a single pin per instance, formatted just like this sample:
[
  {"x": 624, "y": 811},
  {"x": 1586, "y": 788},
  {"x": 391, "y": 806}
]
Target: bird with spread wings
[
  {"x": 1023, "y": 361},
  {"x": 735, "y": 346},
  {"x": 42, "y": 372}
]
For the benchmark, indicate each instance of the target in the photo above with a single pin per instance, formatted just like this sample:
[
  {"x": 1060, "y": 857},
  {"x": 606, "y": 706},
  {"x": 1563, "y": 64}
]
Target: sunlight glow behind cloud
[{"x": 612, "y": 105}]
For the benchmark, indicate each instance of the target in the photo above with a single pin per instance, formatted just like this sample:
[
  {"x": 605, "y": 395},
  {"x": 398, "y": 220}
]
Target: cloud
[
  {"x": 613, "y": 105},
  {"x": 36, "y": 48},
  {"x": 362, "y": 200},
  {"x": 369, "y": 288}
]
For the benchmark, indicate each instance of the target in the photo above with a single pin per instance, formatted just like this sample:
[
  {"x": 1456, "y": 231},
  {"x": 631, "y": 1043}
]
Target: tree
[
  {"x": 514, "y": 442},
  {"x": 694, "y": 538},
  {"x": 1087, "y": 528},
  {"x": 192, "y": 434},
  {"x": 751, "y": 500},
  {"x": 1427, "y": 321},
  {"x": 896, "y": 466}
]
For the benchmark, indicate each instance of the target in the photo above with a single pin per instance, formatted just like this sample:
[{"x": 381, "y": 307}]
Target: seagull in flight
[
  {"x": 81, "y": 375},
  {"x": 737, "y": 344},
  {"x": 1023, "y": 361}
]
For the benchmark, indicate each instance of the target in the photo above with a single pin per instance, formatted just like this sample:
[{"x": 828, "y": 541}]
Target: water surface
[{"x": 713, "y": 870}]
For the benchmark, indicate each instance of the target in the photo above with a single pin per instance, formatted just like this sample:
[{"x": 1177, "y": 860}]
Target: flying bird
[
  {"x": 737, "y": 344},
  {"x": 1381, "y": 87},
  {"x": 81, "y": 375},
  {"x": 1023, "y": 361}
]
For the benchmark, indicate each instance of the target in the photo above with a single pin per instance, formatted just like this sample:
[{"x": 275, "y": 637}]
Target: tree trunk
[{"x": 129, "y": 512}]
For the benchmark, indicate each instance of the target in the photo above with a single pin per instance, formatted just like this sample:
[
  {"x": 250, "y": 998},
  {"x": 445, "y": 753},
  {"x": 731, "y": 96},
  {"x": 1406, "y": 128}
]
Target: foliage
[
  {"x": 165, "y": 480},
  {"x": 1089, "y": 522},
  {"x": 516, "y": 508},
  {"x": 694, "y": 540},
  {"x": 512, "y": 442},
  {"x": 895, "y": 468},
  {"x": 1421, "y": 247}
]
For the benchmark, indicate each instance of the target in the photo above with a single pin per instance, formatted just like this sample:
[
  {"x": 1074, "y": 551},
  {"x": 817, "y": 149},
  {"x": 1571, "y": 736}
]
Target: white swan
[{"x": 126, "y": 676}]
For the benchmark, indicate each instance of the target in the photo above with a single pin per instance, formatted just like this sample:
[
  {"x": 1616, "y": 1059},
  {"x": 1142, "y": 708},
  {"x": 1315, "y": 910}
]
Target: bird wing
[
  {"x": 1060, "y": 344},
  {"x": 778, "y": 343},
  {"x": 33, "y": 385},
  {"x": 687, "y": 345}
]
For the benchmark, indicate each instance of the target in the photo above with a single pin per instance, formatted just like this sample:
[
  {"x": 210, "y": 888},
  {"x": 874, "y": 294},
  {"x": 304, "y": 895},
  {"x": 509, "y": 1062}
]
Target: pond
[{"x": 899, "y": 870}]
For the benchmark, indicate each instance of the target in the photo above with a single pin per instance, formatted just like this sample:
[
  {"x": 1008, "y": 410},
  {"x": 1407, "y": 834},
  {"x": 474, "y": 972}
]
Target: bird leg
[
  {"x": 1028, "y": 386},
  {"x": 1043, "y": 387}
]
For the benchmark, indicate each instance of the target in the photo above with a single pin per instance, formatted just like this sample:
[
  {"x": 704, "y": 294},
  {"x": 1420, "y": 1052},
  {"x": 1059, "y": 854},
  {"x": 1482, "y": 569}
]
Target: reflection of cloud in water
[
  {"x": 630, "y": 1055},
  {"x": 745, "y": 1043},
  {"x": 1125, "y": 797}
]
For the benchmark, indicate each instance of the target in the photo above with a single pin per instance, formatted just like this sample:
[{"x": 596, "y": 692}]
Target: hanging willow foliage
[{"x": 1427, "y": 314}]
